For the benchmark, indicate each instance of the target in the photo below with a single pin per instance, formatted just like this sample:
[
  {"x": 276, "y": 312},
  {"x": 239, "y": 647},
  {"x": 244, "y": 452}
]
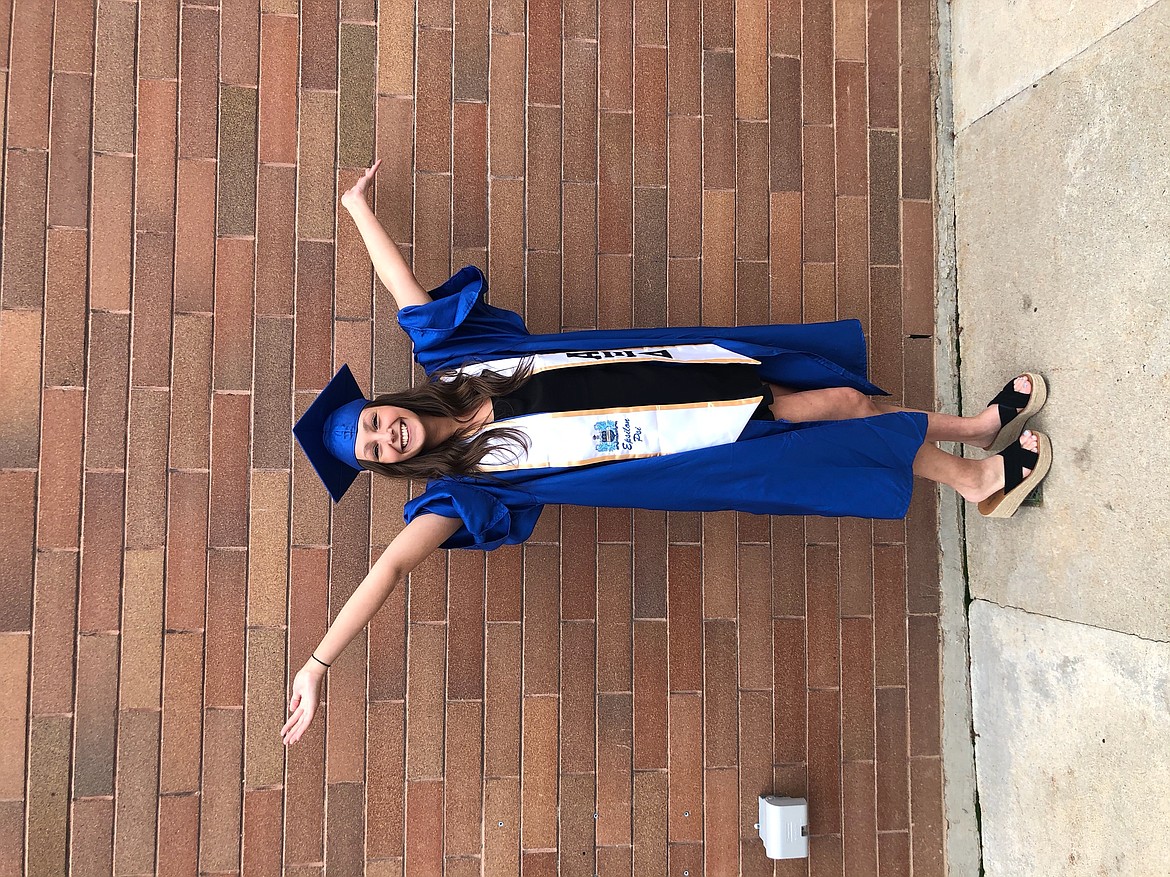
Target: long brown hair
[{"x": 451, "y": 394}]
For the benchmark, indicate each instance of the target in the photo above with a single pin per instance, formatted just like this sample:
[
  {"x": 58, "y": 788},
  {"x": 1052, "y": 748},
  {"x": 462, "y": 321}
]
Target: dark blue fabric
[
  {"x": 459, "y": 327},
  {"x": 860, "y": 468},
  {"x": 319, "y": 438}
]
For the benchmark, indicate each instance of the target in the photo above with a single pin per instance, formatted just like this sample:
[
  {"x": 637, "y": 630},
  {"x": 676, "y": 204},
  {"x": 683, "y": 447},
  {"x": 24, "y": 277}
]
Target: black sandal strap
[
  {"x": 1010, "y": 396},
  {"x": 1016, "y": 458}
]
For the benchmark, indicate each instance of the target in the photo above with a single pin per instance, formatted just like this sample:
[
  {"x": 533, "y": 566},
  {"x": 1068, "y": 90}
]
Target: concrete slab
[
  {"x": 1072, "y": 728},
  {"x": 1062, "y": 216},
  {"x": 1000, "y": 48}
]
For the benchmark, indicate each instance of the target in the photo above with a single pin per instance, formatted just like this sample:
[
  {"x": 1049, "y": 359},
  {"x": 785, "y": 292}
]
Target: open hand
[
  {"x": 302, "y": 706},
  {"x": 357, "y": 192}
]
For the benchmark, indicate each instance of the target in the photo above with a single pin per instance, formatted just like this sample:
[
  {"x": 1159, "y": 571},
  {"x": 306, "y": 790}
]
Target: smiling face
[{"x": 389, "y": 434}]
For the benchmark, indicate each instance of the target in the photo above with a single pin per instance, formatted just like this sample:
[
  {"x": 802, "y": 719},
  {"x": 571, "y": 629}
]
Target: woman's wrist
[
  {"x": 354, "y": 203},
  {"x": 315, "y": 667}
]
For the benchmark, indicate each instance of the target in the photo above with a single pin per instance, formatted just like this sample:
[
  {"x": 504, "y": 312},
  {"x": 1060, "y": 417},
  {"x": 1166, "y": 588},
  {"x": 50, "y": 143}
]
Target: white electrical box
[{"x": 783, "y": 827}]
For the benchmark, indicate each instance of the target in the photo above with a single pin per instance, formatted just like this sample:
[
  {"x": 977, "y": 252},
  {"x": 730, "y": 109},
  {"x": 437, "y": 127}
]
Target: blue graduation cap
[{"x": 327, "y": 432}]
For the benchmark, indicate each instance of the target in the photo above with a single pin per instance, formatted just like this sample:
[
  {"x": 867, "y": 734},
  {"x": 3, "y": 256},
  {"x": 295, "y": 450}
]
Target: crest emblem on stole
[{"x": 605, "y": 436}]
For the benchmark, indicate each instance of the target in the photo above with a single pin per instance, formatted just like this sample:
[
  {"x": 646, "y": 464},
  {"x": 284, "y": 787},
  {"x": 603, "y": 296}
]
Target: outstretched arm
[
  {"x": 391, "y": 268},
  {"x": 410, "y": 547}
]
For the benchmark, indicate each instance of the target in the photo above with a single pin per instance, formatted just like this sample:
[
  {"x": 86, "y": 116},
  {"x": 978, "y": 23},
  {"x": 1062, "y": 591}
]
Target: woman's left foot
[
  {"x": 1004, "y": 418},
  {"x": 989, "y": 420}
]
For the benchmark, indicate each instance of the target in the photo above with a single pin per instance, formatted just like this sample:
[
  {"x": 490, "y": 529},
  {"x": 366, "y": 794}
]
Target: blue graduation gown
[{"x": 860, "y": 468}]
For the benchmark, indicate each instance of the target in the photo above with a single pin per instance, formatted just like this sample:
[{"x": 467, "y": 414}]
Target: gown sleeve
[
  {"x": 491, "y": 515},
  {"x": 458, "y": 326}
]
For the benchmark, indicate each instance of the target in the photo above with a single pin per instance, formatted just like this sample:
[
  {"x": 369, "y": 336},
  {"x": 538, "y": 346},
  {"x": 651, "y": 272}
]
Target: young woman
[{"x": 765, "y": 419}]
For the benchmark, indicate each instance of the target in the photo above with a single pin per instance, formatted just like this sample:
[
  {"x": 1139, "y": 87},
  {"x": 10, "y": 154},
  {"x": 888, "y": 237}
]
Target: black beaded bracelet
[{"x": 319, "y": 661}]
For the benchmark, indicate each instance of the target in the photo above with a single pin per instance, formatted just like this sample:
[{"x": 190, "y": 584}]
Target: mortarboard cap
[{"x": 327, "y": 431}]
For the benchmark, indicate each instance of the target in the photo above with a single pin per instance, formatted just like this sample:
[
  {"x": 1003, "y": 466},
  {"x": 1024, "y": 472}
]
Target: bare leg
[
  {"x": 842, "y": 403},
  {"x": 948, "y": 427},
  {"x": 979, "y": 430},
  {"x": 971, "y": 479},
  {"x": 974, "y": 480}
]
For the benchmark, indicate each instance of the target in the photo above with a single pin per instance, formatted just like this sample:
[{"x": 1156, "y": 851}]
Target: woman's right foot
[{"x": 991, "y": 476}]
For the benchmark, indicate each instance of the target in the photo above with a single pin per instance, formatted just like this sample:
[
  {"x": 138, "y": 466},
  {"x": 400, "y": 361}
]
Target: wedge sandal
[
  {"x": 1012, "y": 420},
  {"x": 1003, "y": 503}
]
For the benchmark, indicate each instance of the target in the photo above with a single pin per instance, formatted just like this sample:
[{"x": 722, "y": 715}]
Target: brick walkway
[{"x": 168, "y": 556}]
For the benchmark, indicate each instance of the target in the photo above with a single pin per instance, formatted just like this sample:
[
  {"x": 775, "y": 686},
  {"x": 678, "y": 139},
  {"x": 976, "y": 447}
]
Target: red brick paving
[{"x": 175, "y": 286}]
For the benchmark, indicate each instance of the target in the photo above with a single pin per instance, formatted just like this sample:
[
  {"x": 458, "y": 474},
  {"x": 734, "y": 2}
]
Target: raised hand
[
  {"x": 357, "y": 192},
  {"x": 302, "y": 706}
]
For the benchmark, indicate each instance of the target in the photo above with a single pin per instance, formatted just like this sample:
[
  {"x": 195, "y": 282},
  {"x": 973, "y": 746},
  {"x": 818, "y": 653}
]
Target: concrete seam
[
  {"x": 1159, "y": 642},
  {"x": 1059, "y": 65},
  {"x": 963, "y": 853}
]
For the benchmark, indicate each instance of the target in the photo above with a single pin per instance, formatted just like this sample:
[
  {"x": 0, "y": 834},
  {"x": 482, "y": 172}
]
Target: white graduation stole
[
  {"x": 580, "y": 438},
  {"x": 689, "y": 353}
]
